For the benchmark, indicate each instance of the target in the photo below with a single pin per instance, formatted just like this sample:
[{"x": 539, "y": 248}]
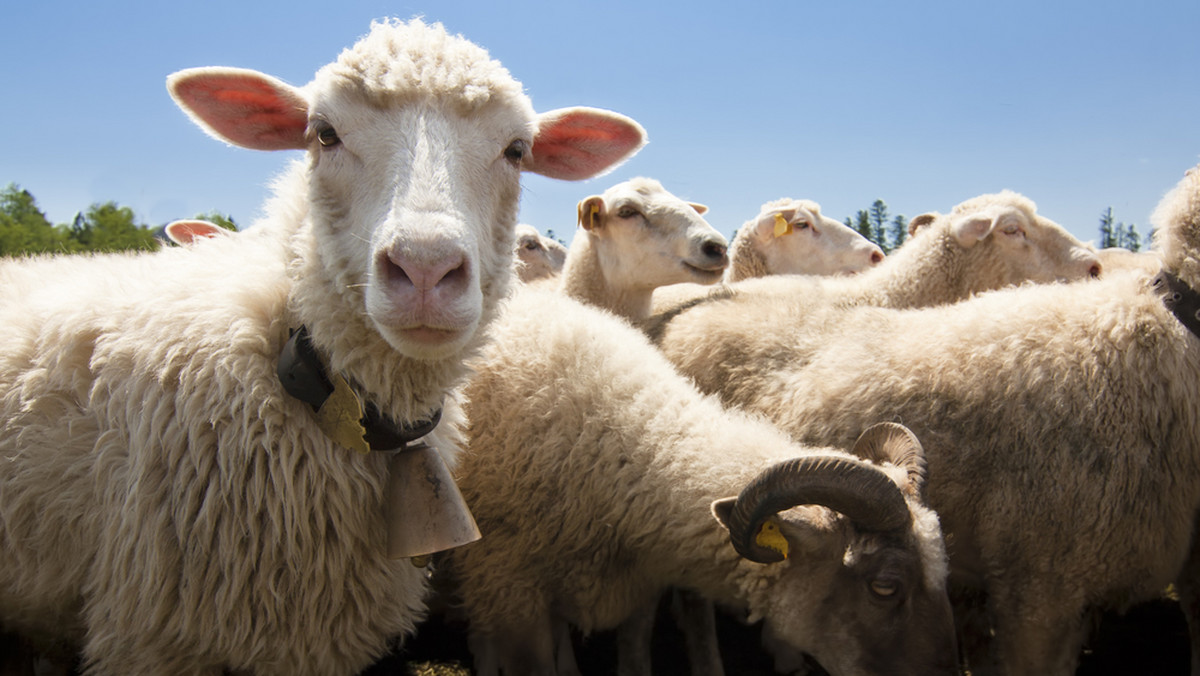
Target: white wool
[{"x": 164, "y": 504}]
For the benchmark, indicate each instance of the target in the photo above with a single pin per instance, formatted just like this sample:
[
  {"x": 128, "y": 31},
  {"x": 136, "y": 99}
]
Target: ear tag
[
  {"x": 782, "y": 227},
  {"x": 340, "y": 417},
  {"x": 770, "y": 537}
]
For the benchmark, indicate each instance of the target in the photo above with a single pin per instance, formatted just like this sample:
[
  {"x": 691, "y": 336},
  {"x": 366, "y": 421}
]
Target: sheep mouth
[{"x": 706, "y": 272}]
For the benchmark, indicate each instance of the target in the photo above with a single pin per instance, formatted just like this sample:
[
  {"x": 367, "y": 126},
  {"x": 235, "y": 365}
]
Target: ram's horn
[
  {"x": 894, "y": 443},
  {"x": 861, "y": 492}
]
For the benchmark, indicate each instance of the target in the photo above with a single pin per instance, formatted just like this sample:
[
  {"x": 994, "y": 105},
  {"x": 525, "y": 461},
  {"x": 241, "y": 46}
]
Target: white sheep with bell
[
  {"x": 165, "y": 504},
  {"x": 635, "y": 237}
]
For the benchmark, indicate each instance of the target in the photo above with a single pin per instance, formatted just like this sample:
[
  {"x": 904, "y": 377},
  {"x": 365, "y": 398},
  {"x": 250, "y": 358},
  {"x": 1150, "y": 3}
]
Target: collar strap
[
  {"x": 1182, "y": 300},
  {"x": 304, "y": 377}
]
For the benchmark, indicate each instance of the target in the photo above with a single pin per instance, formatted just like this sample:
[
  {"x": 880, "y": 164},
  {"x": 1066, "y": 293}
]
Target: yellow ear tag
[
  {"x": 770, "y": 537},
  {"x": 782, "y": 227},
  {"x": 341, "y": 415}
]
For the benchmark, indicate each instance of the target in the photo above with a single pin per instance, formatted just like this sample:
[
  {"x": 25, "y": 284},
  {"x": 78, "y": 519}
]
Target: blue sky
[{"x": 1079, "y": 105}]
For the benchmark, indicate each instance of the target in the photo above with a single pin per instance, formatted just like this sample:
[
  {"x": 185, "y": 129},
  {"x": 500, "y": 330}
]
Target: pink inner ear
[
  {"x": 245, "y": 108},
  {"x": 582, "y": 143}
]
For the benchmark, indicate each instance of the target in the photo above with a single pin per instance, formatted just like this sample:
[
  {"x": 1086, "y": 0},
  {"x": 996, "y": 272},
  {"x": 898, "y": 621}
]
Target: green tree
[
  {"x": 24, "y": 229},
  {"x": 1108, "y": 234},
  {"x": 898, "y": 232},
  {"x": 879, "y": 218},
  {"x": 1130, "y": 239},
  {"x": 861, "y": 224},
  {"x": 107, "y": 228}
]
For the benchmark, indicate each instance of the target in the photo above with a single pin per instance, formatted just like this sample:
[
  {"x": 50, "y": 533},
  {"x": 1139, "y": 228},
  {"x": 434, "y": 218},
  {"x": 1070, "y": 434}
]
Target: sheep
[
  {"x": 1058, "y": 421},
  {"x": 165, "y": 503},
  {"x": 1116, "y": 258},
  {"x": 591, "y": 466},
  {"x": 540, "y": 257},
  {"x": 636, "y": 237},
  {"x": 986, "y": 242},
  {"x": 791, "y": 237}
]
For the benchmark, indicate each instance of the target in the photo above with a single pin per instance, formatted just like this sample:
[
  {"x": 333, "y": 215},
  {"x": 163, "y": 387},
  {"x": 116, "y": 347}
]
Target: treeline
[
  {"x": 107, "y": 227},
  {"x": 890, "y": 232}
]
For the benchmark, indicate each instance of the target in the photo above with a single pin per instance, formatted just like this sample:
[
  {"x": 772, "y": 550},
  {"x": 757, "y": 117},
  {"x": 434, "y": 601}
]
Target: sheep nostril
[
  {"x": 712, "y": 249},
  {"x": 1094, "y": 271},
  {"x": 876, "y": 257}
]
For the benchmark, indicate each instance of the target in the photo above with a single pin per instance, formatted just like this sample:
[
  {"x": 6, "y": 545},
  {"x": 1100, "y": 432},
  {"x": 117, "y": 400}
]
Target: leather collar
[
  {"x": 304, "y": 377},
  {"x": 1182, "y": 300}
]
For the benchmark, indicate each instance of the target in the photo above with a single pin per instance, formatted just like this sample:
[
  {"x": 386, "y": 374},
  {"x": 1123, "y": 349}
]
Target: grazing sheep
[
  {"x": 791, "y": 237},
  {"x": 1059, "y": 423},
  {"x": 540, "y": 257},
  {"x": 163, "y": 501},
  {"x": 634, "y": 238},
  {"x": 591, "y": 467}
]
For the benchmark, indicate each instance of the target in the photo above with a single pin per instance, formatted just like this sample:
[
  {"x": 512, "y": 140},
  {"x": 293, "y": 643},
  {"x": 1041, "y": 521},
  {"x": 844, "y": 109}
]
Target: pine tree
[
  {"x": 862, "y": 224},
  {"x": 1108, "y": 233},
  {"x": 879, "y": 219},
  {"x": 898, "y": 232}
]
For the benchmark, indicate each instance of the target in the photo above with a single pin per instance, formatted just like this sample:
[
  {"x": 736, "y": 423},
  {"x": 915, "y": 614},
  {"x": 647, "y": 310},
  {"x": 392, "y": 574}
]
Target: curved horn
[
  {"x": 863, "y": 493},
  {"x": 894, "y": 443}
]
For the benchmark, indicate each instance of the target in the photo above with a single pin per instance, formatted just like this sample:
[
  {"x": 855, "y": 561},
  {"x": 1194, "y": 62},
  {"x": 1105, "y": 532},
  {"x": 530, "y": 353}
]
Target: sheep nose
[
  {"x": 427, "y": 275},
  {"x": 714, "y": 250},
  {"x": 876, "y": 257}
]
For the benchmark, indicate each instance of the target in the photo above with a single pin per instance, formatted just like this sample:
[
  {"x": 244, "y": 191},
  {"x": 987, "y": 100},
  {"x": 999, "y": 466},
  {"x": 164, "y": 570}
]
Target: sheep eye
[
  {"x": 626, "y": 212},
  {"x": 532, "y": 246},
  {"x": 327, "y": 136},
  {"x": 1011, "y": 229},
  {"x": 801, "y": 225},
  {"x": 884, "y": 588},
  {"x": 516, "y": 151}
]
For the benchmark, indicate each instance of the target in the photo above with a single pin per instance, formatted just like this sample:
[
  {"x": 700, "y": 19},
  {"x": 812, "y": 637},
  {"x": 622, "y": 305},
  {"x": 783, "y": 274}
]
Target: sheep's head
[
  {"x": 415, "y": 143},
  {"x": 1006, "y": 242},
  {"x": 539, "y": 256},
  {"x": 857, "y": 568},
  {"x": 793, "y": 238},
  {"x": 647, "y": 237}
]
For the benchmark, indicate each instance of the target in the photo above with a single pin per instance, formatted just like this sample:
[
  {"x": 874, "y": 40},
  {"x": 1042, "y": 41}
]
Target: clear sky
[{"x": 1078, "y": 105}]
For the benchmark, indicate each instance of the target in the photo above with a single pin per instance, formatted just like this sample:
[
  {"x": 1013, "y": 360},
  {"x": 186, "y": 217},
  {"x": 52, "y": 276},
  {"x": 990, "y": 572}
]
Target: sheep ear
[
  {"x": 921, "y": 221},
  {"x": 969, "y": 229},
  {"x": 578, "y": 143},
  {"x": 700, "y": 208},
  {"x": 189, "y": 230},
  {"x": 768, "y": 225},
  {"x": 721, "y": 510},
  {"x": 242, "y": 107},
  {"x": 591, "y": 213}
]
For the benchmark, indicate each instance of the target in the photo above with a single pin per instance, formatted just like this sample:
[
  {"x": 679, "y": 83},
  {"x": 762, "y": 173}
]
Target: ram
[{"x": 592, "y": 467}]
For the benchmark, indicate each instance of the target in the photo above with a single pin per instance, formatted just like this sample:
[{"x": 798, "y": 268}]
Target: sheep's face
[
  {"x": 646, "y": 237},
  {"x": 879, "y": 612},
  {"x": 1008, "y": 243},
  {"x": 416, "y": 207},
  {"x": 539, "y": 256},
  {"x": 416, "y": 141},
  {"x": 793, "y": 238}
]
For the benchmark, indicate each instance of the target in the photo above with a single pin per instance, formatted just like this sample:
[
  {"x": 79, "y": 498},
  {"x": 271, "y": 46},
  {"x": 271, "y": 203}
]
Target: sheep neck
[
  {"x": 305, "y": 377},
  {"x": 584, "y": 279}
]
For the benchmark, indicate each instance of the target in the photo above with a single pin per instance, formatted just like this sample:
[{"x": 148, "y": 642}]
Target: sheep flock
[{"x": 407, "y": 429}]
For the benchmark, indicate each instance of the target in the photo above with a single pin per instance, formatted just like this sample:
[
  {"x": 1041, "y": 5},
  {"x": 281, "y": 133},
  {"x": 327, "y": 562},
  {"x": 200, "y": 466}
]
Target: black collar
[
  {"x": 1182, "y": 300},
  {"x": 304, "y": 377}
]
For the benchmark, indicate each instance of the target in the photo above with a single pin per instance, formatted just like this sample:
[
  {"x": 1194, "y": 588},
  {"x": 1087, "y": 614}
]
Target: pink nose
[{"x": 439, "y": 274}]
